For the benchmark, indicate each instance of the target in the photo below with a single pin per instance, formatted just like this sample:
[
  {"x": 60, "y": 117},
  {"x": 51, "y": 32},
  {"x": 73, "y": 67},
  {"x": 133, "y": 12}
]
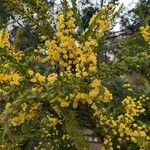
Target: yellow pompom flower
[
  {"x": 145, "y": 30},
  {"x": 64, "y": 103},
  {"x": 52, "y": 78},
  {"x": 18, "y": 120},
  {"x": 52, "y": 121},
  {"x": 30, "y": 72},
  {"x": 7, "y": 105},
  {"x": 95, "y": 83}
]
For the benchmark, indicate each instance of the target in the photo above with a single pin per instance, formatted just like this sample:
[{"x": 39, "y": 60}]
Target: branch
[
  {"x": 102, "y": 1},
  {"x": 16, "y": 20},
  {"x": 121, "y": 34}
]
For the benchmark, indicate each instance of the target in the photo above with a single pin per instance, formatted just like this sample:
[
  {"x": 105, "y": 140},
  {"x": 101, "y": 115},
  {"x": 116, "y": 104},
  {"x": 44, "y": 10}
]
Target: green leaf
[
  {"x": 75, "y": 131},
  {"x": 77, "y": 16}
]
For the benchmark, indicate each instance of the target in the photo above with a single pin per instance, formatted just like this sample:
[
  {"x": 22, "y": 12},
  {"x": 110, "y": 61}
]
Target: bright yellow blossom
[{"x": 145, "y": 30}]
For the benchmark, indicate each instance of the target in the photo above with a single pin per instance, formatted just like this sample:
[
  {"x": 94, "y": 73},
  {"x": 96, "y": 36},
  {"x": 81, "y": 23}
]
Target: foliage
[{"x": 4, "y": 15}]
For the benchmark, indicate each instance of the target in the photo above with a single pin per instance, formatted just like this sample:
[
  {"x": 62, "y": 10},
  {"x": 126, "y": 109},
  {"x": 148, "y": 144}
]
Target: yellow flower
[
  {"x": 65, "y": 57},
  {"x": 43, "y": 37},
  {"x": 16, "y": 78},
  {"x": 75, "y": 104},
  {"x": 34, "y": 80},
  {"x": 78, "y": 74},
  {"x": 64, "y": 103},
  {"x": 52, "y": 121},
  {"x": 71, "y": 56},
  {"x": 7, "y": 105},
  {"x": 146, "y": 33},
  {"x": 56, "y": 108},
  {"x": 142, "y": 133},
  {"x": 39, "y": 78},
  {"x": 24, "y": 106},
  {"x": 106, "y": 96},
  {"x": 4, "y": 39},
  {"x": 118, "y": 146},
  {"x": 110, "y": 5},
  {"x": 95, "y": 83},
  {"x": 94, "y": 93},
  {"x": 18, "y": 120},
  {"x": 134, "y": 139},
  {"x": 36, "y": 50},
  {"x": 33, "y": 111},
  {"x": 30, "y": 72},
  {"x": 52, "y": 78}
]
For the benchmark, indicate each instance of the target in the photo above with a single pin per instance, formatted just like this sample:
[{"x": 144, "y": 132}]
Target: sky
[{"x": 128, "y": 4}]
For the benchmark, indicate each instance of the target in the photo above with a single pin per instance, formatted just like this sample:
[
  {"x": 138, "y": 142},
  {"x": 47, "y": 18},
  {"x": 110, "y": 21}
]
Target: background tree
[{"x": 137, "y": 16}]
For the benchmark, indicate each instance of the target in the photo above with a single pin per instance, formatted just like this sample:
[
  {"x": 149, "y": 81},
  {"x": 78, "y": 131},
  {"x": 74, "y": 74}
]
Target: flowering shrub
[{"x": 38, "y": 106}]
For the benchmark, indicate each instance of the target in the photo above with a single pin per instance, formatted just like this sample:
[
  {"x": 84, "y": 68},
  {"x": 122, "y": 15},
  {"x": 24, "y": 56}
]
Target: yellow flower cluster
[
  {"x": 36, "y": 89},
  {"x": 38, "y": 78},
  {"x": 65, "y": 23},
  {"x": 145, "y": 30},
  {"x": 30, "y": 72},
  {"x": 19, "y": 119},
  {"x": 52, "y": 78},
  {"x": 34, "y": 110},
  {"x": 144, "y": 98},
  {"x": 110, "y": 5},
  {"x": 25, "y": 115},
  {"x": 4, "y": 43},
  {"x": 4, "y": 39},
  {"x": 69, "y": 55},
  {"x": 83, "y": 97},
  {"x": 52, "y": 121},
  {"x": 3, "y": 92},
  {"x": 63, "y": 101},
  {"x": 13, "y": 78},
  {"x": 8, "y": 104},
  {"x": 102, "y": 18},
  {"x": 100, "y": 23},
  {"x": 107, "y": 144},
  {"x": 18, "y": 55},
  {"x": 124, "y": 126},
  {"x": 94, "y": 93},
  {"x": 95, "y": 83},
  {"x": 106, "y": 96},
  {"x": 87, "y": 97},
  {"x": 65, "y": 54},
  {"x": 127, "y": 86},
  {"x": 132, "y": 108},
  {"x": 90, "y": 44}
]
